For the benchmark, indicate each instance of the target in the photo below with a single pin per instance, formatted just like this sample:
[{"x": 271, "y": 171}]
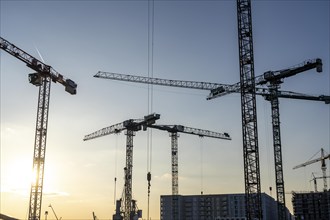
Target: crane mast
[
  {"x": 131, "y": 126},
  {"x": 42, "y": 78},
  {"x": 173, "y": 130},
  {"x": 249, "y": 112}
]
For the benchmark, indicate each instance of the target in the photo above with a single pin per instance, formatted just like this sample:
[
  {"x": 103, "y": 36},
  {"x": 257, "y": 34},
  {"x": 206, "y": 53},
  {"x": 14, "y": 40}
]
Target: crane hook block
[{"x": 149, "y": 176}]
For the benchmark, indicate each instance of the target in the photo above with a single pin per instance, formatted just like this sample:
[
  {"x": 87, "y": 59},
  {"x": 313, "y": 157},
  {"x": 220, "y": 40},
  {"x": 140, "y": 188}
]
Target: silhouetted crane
[{"x": 43, "y": 77}]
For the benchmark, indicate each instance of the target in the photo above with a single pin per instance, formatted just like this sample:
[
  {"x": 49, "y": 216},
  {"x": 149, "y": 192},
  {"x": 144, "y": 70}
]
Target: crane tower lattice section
[{"x": 249, "y": 114}]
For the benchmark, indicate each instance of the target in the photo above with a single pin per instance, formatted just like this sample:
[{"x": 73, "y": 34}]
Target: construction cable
[
  {"x": 269, "y": 144},
  {"x": 116, "y": 156},
  {"x": 150, "y": 91},
  {"x": 202, "y": 165}
]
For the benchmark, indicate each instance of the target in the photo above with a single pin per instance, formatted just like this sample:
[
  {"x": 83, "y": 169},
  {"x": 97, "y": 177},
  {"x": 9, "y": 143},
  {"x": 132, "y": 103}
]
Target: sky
[{"x": 192, "y": 40}]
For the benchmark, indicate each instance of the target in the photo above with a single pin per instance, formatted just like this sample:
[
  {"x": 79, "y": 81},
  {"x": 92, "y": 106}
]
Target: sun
[{"x": 16, "y": 176}]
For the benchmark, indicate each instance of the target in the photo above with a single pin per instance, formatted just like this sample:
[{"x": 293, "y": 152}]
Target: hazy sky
[{"x": 193, "y": 40}]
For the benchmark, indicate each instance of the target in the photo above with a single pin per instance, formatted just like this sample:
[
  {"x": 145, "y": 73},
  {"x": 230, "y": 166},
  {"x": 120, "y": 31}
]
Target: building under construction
[
  {"x": 311, "y": 205},
  {"x": 216, "y": 206}
]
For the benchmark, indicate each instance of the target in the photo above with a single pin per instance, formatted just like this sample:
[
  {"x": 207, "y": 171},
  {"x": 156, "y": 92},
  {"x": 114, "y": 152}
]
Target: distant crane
[
  {"x": 272, "y": 78},
  {"x": 323, "y": 167},
  {"x": 42, "y": 78},
  {"x": 315, "y": 182},
  {"x": 54, "y": 212},
  {"x": 94, "y": 216},
  {"x": 173, "y": 130},
  {"x": 131, "y": 126}
]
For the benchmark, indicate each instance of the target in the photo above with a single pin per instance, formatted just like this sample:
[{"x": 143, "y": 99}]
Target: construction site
[{"x": 171, "y": 110}]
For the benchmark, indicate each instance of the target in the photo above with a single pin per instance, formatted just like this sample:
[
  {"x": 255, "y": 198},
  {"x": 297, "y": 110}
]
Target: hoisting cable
[
  {"x": 268, "y": 143},
  {"x": 150, "y": 91},
  {"x": 116, "y": 155},
  {"x": 202, "y": 161}
]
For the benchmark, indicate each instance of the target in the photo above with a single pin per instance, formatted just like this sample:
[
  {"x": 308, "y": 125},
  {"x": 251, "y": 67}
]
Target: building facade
[
  {"x": 311, "y": 205},
  {"x": 213, "y": 207}
]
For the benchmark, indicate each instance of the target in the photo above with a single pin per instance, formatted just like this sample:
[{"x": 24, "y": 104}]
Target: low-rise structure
[
  {"x": 215, "y": 207},
  {"x": 311, "y": 205}
]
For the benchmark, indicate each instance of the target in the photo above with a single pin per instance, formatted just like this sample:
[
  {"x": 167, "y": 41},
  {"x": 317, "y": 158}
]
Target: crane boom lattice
[{"x": 158, "y": 81}]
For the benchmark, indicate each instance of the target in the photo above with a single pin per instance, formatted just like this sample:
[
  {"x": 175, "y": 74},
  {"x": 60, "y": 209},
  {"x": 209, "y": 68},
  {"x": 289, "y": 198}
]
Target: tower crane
[
  {"x": 271, "y": 93},
  {"x": 323, "y": 167},
  {"x": 173, "y": 130},
  {"x": 50, "y": 205},
  {"x": 42, "y": 79},
  {"x": 131, "y": 126},
  {"x": 316, "y": 178},
  {"x": 94, "y": 216},
  {"x": 273, "y": 79}
]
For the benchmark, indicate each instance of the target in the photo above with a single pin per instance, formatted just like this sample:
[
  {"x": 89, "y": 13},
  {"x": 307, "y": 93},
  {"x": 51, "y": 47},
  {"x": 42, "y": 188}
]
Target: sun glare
[{"x": 20, "y": 175}]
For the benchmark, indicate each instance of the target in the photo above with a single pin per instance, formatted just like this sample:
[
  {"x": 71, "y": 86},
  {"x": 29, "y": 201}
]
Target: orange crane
[
  {"x": 43, "y": 77},
  {"x": 174, "y": 130},
  {"x": 323, "y": 167},
  {"x": 126, "y": 206}
]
